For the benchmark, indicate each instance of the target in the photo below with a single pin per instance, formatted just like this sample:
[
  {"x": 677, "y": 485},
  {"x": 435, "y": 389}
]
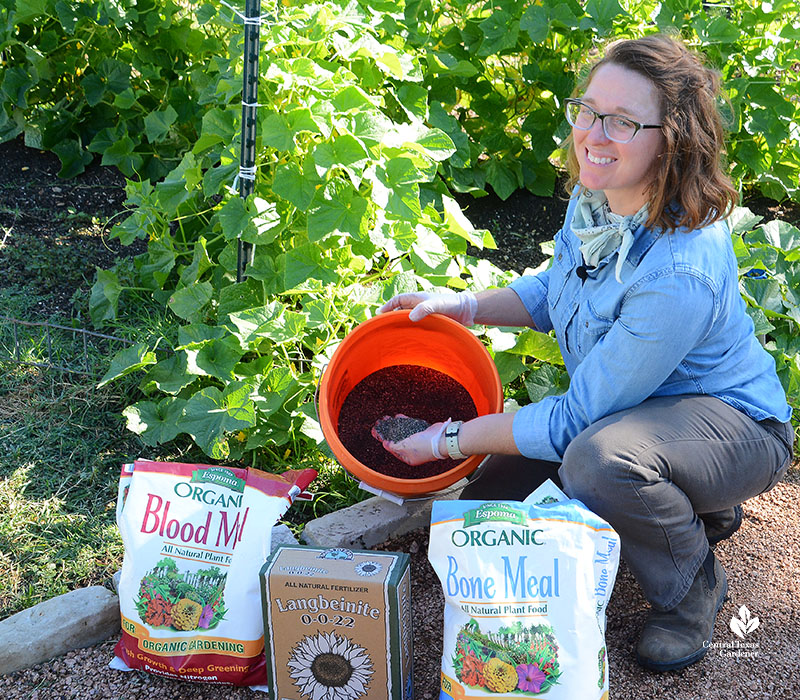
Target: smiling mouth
[{"x": 598, "y": 160}]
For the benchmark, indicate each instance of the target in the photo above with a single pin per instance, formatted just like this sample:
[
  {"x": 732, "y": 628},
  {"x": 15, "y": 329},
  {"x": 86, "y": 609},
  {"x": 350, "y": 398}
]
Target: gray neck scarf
[{"x": 603, "y": 232}]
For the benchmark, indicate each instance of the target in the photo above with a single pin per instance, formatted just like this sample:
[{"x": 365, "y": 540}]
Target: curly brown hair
[{"x": 689, "y": 187}]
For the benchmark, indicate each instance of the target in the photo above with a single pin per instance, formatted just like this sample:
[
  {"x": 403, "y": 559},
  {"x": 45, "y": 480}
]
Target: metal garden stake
[{"x": 247, "y": 163}]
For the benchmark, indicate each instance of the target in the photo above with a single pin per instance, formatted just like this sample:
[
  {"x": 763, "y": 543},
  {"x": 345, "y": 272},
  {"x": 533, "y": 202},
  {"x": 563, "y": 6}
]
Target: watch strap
[{"x": 451, "y": 440}]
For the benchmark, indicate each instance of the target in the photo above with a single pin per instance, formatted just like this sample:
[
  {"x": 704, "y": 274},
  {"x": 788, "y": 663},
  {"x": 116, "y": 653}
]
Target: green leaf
[
  {"x": 104, "y": 297},
  {"x": 27, "y": 10},
  {"x": 404, "y": 202},
  {"x": 544, "y": 381},
  {"x": 540, "y": 346},
  {"x": 414, "y": 100},
  {"x": 155, "y": 423},
  {"x": 215, "y": 177},
  {"x": 536, "y": 22},
  {"x": 252, "y": 324},
  {"x": 266, "y": 224},
  {"x": 276, "y": 132},
  {"x": 781, "y": 234},
  {"x": 210, "y": 414},
  {"x": 234, "y": 218},
  {"x": 196, "y": 334},
  {"x": 268, "y": 271},
  {"x": 291, "y": 184},
  {"x": 436, "y": 144},
  {"x": 239, "y": 296},
  {"x": 718, "y": 31},
  {"x": 301, "y": 120},
  {"x": 351, "y": 98},
  {"x": 461, "y": 225},
  {"x": 742, "y": 220},
  {"x": 345, "y": 152},
  {"x": 760, "y": 321},
  {"x": 157, "y": 124},
  {"x": 94, "y": 89},
  {"x": 15, "y": 86},
  {"x": 502, "y": 178},
  {"x": 170, "y": 375},
  {"x": 121, "y": 154},
  {"x": 509, "y": 366},
  {"x": 304, "y": 262},
  {"x": 73, "y": 158},
  {"x": 336, "y": 209},
  {"x": 125, "y": 100},
  {"x": 218, "y": 126},
  {"x": 399, "y": 284},
  {"x": 187, "y": 302},
  {"x": 217, "y": 358},
  {"x": 128, "y": 360},
  {"x": 176, "y": 188},
  {"x": 430, "y": 251},
  {"x": 160, "y": 261},
  {"x": 275, "y": 389},
  {"x": 603, "y": 12},
  {"x": 200, "y": 263},
  {"x": 500, "y": 32}
]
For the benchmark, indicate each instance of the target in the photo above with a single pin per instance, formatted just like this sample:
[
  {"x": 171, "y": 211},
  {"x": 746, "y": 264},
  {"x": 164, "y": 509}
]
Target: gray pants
[{"x": 650, "y": 471}]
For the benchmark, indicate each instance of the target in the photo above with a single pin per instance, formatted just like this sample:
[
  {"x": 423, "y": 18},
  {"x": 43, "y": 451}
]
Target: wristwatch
[{"x": 451, "y": 440}]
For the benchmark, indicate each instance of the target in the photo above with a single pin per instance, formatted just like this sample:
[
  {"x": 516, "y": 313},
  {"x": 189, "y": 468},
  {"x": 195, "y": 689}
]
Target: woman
[{"x": 674, "y": 415}]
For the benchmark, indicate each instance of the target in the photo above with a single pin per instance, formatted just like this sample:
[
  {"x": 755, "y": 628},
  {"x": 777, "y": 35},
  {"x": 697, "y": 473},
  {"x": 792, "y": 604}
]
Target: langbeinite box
[{"x": 337, "y": 624}]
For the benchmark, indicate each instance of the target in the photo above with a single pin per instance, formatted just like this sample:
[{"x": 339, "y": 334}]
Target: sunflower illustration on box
[
  {"x": 515, "y": 659},
  {"x": 329, "y": 666},
  {"x": 183, "y": 601}
]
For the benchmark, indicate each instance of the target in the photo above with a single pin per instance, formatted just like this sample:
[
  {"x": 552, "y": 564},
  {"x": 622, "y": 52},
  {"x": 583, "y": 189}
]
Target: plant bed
[{"x": 419, "y": 392}]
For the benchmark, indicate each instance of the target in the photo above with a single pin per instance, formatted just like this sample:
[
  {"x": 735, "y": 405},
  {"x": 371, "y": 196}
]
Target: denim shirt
[{"x": 675, "y": 325}]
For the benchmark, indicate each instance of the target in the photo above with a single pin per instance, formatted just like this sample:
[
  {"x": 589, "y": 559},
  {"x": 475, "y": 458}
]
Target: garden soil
[{"x": 41, "y": 227}]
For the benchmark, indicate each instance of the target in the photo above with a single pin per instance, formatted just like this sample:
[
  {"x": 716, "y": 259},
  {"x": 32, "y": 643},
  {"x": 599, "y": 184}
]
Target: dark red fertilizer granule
[{"x": 418, "y": 392}]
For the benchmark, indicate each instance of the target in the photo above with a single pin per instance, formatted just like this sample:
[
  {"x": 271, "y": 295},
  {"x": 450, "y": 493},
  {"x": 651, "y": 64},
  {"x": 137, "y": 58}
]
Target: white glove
[
  {"x": 461, "y": 307},
  {"x": 421, "y": 447}
]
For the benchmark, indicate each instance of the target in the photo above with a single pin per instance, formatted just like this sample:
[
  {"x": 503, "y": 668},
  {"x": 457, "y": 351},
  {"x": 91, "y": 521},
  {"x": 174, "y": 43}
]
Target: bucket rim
[{"x": 403, "y": 487}]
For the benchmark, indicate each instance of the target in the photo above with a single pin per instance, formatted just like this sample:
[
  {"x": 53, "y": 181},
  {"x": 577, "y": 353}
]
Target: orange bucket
[{"x": 436, "y": 342}]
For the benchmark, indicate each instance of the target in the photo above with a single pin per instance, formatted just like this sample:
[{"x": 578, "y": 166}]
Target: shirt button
[
  {"x": 586, "y": 323},
  {"x": 559, "y": 256}
]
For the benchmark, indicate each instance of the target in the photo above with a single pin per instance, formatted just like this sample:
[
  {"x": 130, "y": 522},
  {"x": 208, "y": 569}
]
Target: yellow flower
[{"x": 500, "y": 677}]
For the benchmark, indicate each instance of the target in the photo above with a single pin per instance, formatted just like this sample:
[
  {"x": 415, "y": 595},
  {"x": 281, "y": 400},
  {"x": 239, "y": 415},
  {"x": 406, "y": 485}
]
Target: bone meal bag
[
  {"x": 526, "y": 586},
  {"x": 195, "y": 537}
]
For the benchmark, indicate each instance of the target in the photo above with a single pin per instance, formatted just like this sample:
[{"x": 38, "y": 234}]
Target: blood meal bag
[{"x": 195, "y": 538}]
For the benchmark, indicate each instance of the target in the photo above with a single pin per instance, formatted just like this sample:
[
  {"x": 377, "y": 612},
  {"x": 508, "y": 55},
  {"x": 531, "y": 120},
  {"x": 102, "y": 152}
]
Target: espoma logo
[{"x": 744, "y": 624}]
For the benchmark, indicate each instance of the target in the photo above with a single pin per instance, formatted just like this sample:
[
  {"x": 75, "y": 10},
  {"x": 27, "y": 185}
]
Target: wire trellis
[{"x": 50, "y": 345}]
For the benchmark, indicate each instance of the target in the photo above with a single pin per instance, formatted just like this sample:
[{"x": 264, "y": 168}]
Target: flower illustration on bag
[
  {"x": 745, "y": 623},
  {"x": 328, "y": 666},
  {"x": 514, "y": 659},
  {"x": 181, "y": 600}
]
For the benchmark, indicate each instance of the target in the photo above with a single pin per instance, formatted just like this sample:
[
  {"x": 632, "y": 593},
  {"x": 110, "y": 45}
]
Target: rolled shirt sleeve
[{"x": 532, "y": 291}]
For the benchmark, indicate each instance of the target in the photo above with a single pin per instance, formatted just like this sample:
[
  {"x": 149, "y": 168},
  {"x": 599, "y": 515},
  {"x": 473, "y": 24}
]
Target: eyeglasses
[{"x": 615, "y": 126}]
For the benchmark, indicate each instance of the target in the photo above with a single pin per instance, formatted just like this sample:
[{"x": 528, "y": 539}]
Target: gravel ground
[{"x": 761, "y": 561}]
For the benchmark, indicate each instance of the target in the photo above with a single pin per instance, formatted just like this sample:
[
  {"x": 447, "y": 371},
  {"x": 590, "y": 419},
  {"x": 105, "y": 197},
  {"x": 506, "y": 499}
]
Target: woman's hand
[
  {"x": 420, "y": 447},
  {"x": 460, "y": 307}
]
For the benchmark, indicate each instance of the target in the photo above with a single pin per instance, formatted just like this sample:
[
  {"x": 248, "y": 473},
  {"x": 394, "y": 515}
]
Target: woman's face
[{"x": 621, "y": 170}]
